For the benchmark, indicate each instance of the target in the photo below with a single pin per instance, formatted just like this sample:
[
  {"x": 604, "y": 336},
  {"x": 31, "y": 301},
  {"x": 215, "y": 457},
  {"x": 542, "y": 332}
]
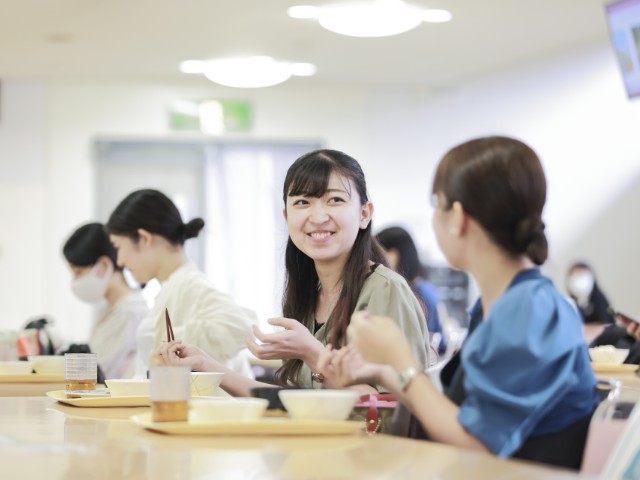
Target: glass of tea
[
  {"x": 169, "y": 393},
  {"x": 81, "y": 371}
]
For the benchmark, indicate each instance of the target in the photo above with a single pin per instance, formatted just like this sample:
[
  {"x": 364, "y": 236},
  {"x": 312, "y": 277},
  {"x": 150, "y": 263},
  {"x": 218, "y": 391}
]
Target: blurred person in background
[
  {"x": 97, "y": 279},
  {"x": 583, "y": 288},
  {"x": 403, "y": 257}
]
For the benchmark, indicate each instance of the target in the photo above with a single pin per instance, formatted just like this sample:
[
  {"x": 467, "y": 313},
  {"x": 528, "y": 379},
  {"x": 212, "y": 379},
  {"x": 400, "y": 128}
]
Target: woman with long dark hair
[{"x": 334, "y": 268}]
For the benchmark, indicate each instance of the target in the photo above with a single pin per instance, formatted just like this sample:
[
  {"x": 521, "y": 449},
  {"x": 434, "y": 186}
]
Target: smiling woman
[{"x": 333, "y": 267}]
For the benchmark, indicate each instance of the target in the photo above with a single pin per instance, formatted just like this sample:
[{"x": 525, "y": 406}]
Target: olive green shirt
[{"x": 385, "y": 293}]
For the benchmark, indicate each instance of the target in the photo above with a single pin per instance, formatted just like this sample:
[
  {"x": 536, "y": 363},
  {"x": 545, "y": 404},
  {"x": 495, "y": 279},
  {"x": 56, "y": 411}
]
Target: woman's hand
[
  {"x": 295, "y": 341},
  {"x": 176, "y": 353},
  {"x": 379, "y": 340},
  {"x": 345, "y": 367}
]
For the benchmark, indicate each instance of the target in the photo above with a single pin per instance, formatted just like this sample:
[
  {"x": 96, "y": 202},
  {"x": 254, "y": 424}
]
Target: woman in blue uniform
[{"x": 523, "y": 386}]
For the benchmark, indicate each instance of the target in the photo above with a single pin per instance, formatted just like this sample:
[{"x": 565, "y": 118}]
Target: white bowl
[
  {"x": 204, "y": 384},
  {"x": 608, "y": 355},
  {"x": 227, "y": 409},
  {"x": 128, "y": 387},
  {"x": 319, "y": 404},
  {"x": 16, "y": 368},
  {"x": 48, "y": 364}
]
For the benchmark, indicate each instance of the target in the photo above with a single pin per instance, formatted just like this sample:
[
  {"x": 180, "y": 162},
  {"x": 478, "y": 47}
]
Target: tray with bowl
[
  {"x": 98, "y": 400},
  {"x": 22, "y": 372},
  {"x": 608, "y": 359},
  {"x": 262, "y": 426}
]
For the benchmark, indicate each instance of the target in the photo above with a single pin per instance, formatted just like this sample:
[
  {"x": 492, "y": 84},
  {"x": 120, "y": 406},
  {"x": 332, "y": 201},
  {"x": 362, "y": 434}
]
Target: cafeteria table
[{"x": 41, "y": 438}]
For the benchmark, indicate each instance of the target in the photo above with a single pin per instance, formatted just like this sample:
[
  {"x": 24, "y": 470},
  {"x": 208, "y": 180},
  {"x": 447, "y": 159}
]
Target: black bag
[{"x": 44, "y": 340}]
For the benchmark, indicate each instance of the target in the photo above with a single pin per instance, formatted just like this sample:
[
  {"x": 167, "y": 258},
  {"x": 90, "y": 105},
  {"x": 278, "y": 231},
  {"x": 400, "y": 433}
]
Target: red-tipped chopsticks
[{"x": 170, "y": 337}]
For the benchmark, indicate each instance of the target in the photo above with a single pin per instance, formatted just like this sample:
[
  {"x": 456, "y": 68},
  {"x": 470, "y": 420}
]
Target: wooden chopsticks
[{"x": 170, "y": 336}]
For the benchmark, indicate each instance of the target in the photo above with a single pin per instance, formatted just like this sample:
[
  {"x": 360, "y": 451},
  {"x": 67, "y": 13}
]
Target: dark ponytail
[
  {"x": 501, "y": 184},
  {"x": 153, "y": 211}
]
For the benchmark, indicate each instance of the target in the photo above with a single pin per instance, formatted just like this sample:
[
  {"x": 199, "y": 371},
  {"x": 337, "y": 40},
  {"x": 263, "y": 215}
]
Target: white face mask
[
  {"x": 91, "y": 288},
  {"x": 580, "y": 284}
]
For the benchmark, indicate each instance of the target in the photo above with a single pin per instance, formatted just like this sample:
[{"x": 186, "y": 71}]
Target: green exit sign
[{"x": 210, "y": 116}]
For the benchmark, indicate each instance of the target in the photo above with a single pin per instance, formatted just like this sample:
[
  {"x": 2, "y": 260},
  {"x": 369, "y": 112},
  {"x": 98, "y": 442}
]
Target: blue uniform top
[
  {"x": 429, "y": 295},
  {"x": 527, "y": 370}
]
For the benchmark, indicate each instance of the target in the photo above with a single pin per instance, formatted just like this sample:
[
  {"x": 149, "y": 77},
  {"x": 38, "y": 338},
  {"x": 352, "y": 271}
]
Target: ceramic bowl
[
  {"x": 204, "y": 384},
  {"x": 48, "y": 364},
  {"x": 608, "y": 355},
  {"x": 227, "y": 409},
  {"x": 319, "y": 404},
  {"x": 16, "y": 368},
  {"x": 128, "y": 387}
]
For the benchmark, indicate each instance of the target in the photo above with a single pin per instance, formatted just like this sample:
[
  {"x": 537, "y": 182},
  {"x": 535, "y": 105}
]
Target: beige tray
[
  {"x": 614, "y": 368},
  {"x": 61, "y": 397},
  {"x": 265, "y": 426},
  {"x": 32, "y": 378}
]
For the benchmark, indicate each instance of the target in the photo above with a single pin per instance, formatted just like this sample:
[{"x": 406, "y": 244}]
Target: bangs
[{"x": 312, "y": 180}]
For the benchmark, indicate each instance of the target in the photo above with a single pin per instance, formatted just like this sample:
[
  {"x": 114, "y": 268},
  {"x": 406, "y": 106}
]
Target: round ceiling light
[
  {"x": 373, "y": 18},
  {"x": 249, "y": 72}
]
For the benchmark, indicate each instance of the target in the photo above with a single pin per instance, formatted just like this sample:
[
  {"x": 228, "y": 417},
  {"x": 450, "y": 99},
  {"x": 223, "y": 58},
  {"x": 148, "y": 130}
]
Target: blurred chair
[{"x": 606, "y": 428}]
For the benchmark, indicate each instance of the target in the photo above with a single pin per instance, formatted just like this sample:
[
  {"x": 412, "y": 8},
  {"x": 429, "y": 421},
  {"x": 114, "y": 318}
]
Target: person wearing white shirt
[
  {"x": 148, "y": 233},
  {"x": 98, "y": 279}
]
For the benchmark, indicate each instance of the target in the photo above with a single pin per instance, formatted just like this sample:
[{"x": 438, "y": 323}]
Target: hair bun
[
  {"x": 530, "y": 239},
  {"x": 192, "y": 228}
]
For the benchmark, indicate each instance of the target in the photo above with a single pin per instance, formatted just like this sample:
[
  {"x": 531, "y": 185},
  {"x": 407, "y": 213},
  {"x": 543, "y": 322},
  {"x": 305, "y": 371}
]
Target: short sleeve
[
  {"x": 519, "y": 363},
  {"x": 388, "y": 294}
]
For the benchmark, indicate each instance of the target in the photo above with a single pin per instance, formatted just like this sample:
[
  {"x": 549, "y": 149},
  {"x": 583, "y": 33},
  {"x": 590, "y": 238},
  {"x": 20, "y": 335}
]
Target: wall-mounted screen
[{"x": 623, "y": 18}]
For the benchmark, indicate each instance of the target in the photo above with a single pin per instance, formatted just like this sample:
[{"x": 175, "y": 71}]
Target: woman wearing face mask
[
  {"x": 584, "y": 290},
  {"x": 96, "y": 277}
]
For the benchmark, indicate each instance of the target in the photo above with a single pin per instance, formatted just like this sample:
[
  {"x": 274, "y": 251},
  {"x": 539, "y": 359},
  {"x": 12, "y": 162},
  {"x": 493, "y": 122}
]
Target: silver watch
[{"x": 406, "y": 376}]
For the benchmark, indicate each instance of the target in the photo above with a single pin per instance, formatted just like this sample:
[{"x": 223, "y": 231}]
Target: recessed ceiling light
[
  {"x": 248, "y": 72},
  {"x": 372, "y": 18}
]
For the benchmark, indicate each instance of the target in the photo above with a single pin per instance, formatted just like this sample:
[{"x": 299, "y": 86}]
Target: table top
[{"x": 41, "y": 438}]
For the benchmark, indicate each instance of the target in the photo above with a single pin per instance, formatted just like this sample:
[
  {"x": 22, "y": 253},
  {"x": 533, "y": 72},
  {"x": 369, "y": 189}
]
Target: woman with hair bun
[
  {"x": 522, "y": 385},
  {"x": 148, "y": 233}
]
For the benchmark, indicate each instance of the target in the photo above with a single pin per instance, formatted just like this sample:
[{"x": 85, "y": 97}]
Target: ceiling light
[
  {"x": 434, "y": 15},
  {"x": 303, "y": 11},
  {"x": 372, "y": 18},
  {"x": 249, "y": 72}
]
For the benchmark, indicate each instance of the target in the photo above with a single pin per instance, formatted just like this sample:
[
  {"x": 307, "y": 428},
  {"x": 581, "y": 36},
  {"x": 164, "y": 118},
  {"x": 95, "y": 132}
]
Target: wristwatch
[
  {"x": 406, "y": 377},
  {"x": 317, "y": 377}
]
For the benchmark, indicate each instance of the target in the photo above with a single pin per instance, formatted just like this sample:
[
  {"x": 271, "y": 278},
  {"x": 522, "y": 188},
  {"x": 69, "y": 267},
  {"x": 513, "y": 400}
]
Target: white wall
[{"x": 571, "y": 109}]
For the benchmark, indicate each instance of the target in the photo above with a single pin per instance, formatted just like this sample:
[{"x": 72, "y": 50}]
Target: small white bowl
[
  {"x": 16, "y": 368},
  {"x": 319, "y": 404},
  {"x": 227, "y": 410},
  {"x": 204, "y": 384},
  {"x": 48, "y": 364},
  {"x": 128, "y": 387},
  {"x": 608, "y": 355}
]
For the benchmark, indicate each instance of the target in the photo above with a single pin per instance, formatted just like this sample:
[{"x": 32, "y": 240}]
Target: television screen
[{"x": 623, "y": 18}]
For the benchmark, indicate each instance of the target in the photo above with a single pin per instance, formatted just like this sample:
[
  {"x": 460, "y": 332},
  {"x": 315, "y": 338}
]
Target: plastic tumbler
[
  {"x": 81, "y": 371},
  {"x": 169, "y": 393}
]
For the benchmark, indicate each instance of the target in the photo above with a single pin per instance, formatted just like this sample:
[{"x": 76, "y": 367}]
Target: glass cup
[
  {"x": 81, "y": 371},
  {"x": 169, "y": 393}
]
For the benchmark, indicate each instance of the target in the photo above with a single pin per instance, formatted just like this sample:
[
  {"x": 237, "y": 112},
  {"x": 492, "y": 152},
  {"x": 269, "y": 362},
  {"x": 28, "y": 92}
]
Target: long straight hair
[{"x": 309, "y": 176}]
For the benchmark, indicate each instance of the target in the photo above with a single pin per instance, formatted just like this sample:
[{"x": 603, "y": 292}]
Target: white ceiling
[{"x": 144, "y": 40}]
